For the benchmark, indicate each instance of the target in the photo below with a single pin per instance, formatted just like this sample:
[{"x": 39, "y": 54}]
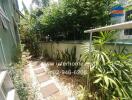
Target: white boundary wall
[{"x": 52, "y": 47}]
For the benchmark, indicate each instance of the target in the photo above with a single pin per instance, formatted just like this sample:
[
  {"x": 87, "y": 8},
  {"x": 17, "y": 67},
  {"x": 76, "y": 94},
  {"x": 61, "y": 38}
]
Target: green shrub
[
  {"x": 30, "y": 35},
  {"x": 45, "y": 53},
  {"x": 70, "y": 18},
  {"x": 20, "y": 85},
  {"x": 17, "y": 54},
  {"x": 110, "y": 71},
  {"x": 32, "y": 44},
  {"x": 69, "y": 59}
]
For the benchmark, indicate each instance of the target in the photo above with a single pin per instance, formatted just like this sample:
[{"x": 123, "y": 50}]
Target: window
[
  {"x": 128, "y": 17},
  {"x": 2, "y": 61},
  {"x": 2, "y": 19}
]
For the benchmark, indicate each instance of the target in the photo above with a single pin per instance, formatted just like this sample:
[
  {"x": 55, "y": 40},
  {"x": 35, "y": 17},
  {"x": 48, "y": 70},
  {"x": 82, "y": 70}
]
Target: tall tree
[{"x": 71, "y": 17}]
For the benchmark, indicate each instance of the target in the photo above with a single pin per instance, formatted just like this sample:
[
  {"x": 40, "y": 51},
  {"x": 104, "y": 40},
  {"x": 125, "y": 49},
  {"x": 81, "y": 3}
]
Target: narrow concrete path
[{"x": 46, "y": 88}]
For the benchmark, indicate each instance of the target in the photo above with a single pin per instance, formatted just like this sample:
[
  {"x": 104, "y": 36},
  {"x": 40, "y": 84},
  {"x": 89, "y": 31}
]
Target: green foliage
[
  {"x": 32, "y": 45},
  {"x": 103, "y": 38},
  {"x": 45, "y": 53},
  {"x": 110, "y": 72},
  {"x": 16, "y": 71},
  {"x": 29, "y": 30},
  {"x": 72, "y": 17},
  {"x": 20, "y": 85},
  {"x": 83, "y": 93},
  {"x": 69, "y": 57},
  {"x": 17, "y": 54},
  {"x": 29, "y": 34},
  {"x": 69, "y": 18}
]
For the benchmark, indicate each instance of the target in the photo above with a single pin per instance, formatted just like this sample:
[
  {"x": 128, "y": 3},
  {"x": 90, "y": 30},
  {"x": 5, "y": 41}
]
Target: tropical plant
[
  {"x": 69, "y": 60},
  {"x": 103, "y": 38},
  {"x": 16, "y": 76},
  {"x": 29, "y": 33},
  {"x": 17, "y": 54},
  {"x": 110, "y": 72},
  {"x": 83, "y": 93},
  {"x": 71, "y": 17},
  {"x": 46, "y": 54}
]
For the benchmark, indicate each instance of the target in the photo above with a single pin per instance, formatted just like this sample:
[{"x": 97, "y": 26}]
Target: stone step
[
  {"x": 59, "y": 96},
  {"x": 36, "y": 64},
  {"x": 39, "y": 70},
  {"x": 43, "y": 78},
  {"x": 49, "y": 90}
]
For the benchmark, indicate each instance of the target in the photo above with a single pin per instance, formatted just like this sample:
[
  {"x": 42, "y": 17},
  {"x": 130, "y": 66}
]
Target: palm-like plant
[
  {"x": 27, "y": 33},
  {"x": 110, "y": 71},
  {"x": 69, "y": 57},
  {"x": 104, "y": 37}
]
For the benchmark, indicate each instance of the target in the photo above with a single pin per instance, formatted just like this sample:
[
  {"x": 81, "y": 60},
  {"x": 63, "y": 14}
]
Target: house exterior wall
[
  {"x": 8, "y": 36},
  {"x": 120, "y": 19}
]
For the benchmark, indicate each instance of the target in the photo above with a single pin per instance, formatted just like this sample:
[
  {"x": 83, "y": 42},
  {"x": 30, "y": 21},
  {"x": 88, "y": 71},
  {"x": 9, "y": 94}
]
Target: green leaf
[
  {"x": 106, "y": 79},
  {"x": 97, "y": 80}
]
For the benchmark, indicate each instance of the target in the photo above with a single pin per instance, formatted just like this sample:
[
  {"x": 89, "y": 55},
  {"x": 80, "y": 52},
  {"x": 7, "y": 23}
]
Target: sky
[{"x": 27, "y": 3}]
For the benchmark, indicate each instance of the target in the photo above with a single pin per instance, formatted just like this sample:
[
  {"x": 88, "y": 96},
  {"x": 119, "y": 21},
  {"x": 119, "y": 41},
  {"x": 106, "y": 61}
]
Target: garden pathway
[{"x": 46, "y": 88}]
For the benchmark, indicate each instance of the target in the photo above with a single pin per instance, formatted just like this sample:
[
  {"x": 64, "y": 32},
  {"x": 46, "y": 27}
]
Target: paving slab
[
  {"x": 39, "y": 70},
  {"x": 49, "y": 90},
  {"x": 43, "y": 77},
  {"x": 36, "y": 64},
  {"x": 59, "y": 96}
]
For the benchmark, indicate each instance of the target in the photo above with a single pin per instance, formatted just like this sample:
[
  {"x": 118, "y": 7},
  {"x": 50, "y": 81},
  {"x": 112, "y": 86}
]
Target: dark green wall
[{"x": 9, "y": 36}]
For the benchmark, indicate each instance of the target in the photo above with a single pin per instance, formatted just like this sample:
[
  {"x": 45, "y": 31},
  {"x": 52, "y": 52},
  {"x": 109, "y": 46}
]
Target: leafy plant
[
  {"x": 24, "y": 90},
  {"x": 32, "y": 45},
  {"x": 83, "y": 93},
  {"x": 103, "y": 38},
  {"x": 20, "y": 85},
  {"x": 29, "y": 31},
  {"x": 58, "y": 56},
  {"x": 71, "y": 17},
  {"x": 28, "y": 37},
  {"x": 68, "y": 58},
  {"x": 45, "y": 54},
  {"x": 17, "y": 54},
  {"x": 110, "y": 72}
]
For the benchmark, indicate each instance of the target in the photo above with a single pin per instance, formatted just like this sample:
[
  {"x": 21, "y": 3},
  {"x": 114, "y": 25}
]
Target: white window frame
[
  {"x": 2, "y": 13},
  {"x": 2, "y": 48}
]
